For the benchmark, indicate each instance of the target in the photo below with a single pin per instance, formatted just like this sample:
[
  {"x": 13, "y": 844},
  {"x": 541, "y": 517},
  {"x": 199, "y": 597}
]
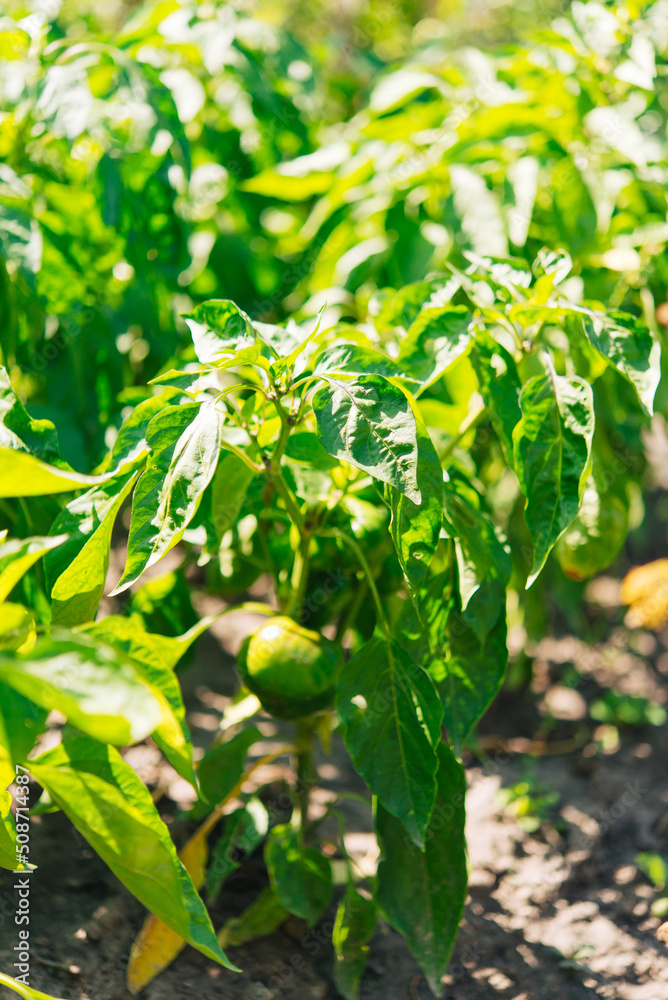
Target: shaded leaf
[
  {"x": 392, "y": 715},
  {"x": 221, "y": 767},
  {"x": 354, "y": 925},
  {"x": 422, "y": 893},
  {"x": 301, "y": 877}
]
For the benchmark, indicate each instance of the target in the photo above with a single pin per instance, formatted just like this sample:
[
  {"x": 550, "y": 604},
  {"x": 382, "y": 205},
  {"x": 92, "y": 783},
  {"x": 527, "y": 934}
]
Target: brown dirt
[{"x": 562, "y": 912}]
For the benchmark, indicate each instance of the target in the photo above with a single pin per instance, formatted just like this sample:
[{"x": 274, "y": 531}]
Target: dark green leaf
[
  {"x": 482, "y": 557},
  {"x": 416, "y": 528},
  {"x": 244, "y": 830},
  {"x": 422, "y": 893},
  {"x": 221, "y": 767},
  {"x": 392, "y": 716},
  {"x": 552, "y": 446},
  {"x": 262, "y": 917},
  {"x": 353, "y": 929},
  {"x": 300, "y": 876},
  {"x": 228, "y": 492},
  {"x": 499, "y": 386}
]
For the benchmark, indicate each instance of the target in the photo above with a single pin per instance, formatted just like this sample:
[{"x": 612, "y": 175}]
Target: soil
[{"x": 560, "y": 912}]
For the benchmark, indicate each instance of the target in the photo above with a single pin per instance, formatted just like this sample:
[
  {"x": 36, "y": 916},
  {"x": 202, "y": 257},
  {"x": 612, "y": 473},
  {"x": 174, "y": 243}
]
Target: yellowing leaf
[
  {"x": 645, "y": 589},
  {"x": 156, "y": 946}
]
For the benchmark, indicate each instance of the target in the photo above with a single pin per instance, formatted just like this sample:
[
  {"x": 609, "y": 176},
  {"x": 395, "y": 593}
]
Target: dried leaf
[{"x": 645, "y": 588}]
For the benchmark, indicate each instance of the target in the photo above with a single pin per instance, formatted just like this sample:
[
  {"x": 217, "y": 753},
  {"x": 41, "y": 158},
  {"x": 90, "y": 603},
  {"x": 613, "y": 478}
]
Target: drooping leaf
[
  {"x": 155, "y": 657},
  {"x": 185, "y": 446},
  {"x": 483, "y": 558},
  {"x": 422, "y": 893},
  {"x": 79, "y": 568},
  {"x": 157, "y": 945},
  {"x": 499, "y": 386},
  {"x": 436, "y": 338},
  {"x": 627, "y": 343},
  {"x": 416, "y": 528},
  {"x": 24, "y": 475},
  {"x": 301, "y": 877},
  {"x": 100, "y": 693},
  {"x": 369, "y": 423},
  {"x": 392, "y": 715},
  {"x": 221, "y": 767},
  {"x": 106, "y": 801},
  {"x": 354, "y": 925},
  {"x": 244, "y": 830},
  {"x": 552, "y": 445}
]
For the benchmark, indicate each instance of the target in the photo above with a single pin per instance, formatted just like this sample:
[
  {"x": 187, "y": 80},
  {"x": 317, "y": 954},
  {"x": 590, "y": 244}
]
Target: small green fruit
[{"x": 291, "y": 669}]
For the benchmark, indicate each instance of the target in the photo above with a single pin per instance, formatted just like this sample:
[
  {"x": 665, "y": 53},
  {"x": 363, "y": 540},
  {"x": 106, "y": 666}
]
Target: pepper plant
[{"x": 389, "y": 479}]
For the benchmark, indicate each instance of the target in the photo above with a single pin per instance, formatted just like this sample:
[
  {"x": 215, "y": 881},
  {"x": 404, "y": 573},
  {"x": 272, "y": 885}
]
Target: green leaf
[
  {"x": 17, "y": 625},
  {"x": 228, "y": 492},
  {"x": 628, "y": 344},
  {"x": 185, "y": 446},
  {"x": 8, "y": 855},
  {"x": 552, "y": 447},
  {"x": 353, "y": 359},
  {"x": 21, "y": 432},
  {"x": 392, "y": 716},
  {"x": 353, "y": 929},
  {"x": 24, "y": 475},
  {"x": 416, "y": 528},
  {"x": 422, "y": 893},
  {"x": 244, "y": 830},
  {"x": 499, "y": 386},
  {"x": 300, "y": 876},
  {"x": 99, "y": 693},
  {"x": 18, "y": 555},
  {"x": 21, "y": 722},
  {"x": 467, "y": 671},
  {"x": 470, "y": 674},
  {"x": 219, "y": 327},
  {"x": 436, "y": 338},
  {"x": 155, "y": 657},
  {"x": 369, "y": 423},
  {"x": 221, "y": 767},
  {"x": 130, "y": 444},
  {"x": 80, "y": 566},
  {"x": 482, "y": 557},
  {"x": 27, "y": 992},
  {"x": 106, "y": 801},
  {"x": 262, "y": 917}
]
